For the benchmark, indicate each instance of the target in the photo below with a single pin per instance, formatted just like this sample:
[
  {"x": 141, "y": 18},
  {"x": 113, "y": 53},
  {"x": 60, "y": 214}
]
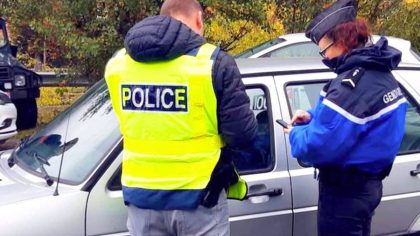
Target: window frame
[
  {"x": 407, "y": 94},
  {"x": 412, "y": 101},
  {"x": 115, "y": 178},
  {"x": 306, "y": 82},
  {"x": 273, "y": 162}
]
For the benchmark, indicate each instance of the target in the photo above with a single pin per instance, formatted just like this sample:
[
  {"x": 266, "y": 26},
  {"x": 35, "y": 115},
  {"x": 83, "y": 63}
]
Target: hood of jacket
[
  {"x": 378, "y": 56},
  {"x": 160, "y": 38}
]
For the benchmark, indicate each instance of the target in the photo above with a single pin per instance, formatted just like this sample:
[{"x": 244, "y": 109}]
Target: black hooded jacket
[{"x": 161, "y": 38}]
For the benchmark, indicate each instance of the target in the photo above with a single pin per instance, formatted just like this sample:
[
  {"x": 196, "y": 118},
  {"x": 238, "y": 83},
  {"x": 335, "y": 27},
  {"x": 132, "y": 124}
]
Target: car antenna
[
  {"x": 62, "y": 157},
  {"x": 59, "y": 173}
]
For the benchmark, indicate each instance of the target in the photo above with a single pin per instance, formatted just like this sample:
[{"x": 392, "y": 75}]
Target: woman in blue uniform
[{"x": 353, "y": 134}]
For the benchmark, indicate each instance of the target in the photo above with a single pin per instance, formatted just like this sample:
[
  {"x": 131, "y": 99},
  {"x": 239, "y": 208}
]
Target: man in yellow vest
[{"x": 180, "y": 102}]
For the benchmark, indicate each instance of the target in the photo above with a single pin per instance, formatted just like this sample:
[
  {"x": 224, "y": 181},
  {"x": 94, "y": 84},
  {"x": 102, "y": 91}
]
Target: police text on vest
[{"x": 154, "y": 98}]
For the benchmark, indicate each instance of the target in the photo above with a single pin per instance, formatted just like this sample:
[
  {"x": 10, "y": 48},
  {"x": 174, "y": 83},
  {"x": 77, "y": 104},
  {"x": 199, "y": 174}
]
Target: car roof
[
  {"x": 300, "y": 37},
  {"x": 401, "y": 44},
  {"x": 276, "y": 66}
]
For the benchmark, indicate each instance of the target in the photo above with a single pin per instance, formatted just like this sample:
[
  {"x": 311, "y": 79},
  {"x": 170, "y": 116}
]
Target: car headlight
[
  {"x": 8, "y": 86},
  {"x": 20, "y": 80},
  {"x": 4, "y": 99}
]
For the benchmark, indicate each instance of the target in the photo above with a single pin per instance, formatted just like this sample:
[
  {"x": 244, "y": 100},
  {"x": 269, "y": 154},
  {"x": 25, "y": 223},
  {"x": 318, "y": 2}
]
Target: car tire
[{"x": 27, "y": 113}]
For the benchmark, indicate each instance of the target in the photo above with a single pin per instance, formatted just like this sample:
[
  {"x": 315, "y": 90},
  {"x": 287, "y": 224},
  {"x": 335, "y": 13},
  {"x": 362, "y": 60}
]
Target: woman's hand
[
  {"x": 288, "y": 129},
  {"x": 301, "y": 117}
]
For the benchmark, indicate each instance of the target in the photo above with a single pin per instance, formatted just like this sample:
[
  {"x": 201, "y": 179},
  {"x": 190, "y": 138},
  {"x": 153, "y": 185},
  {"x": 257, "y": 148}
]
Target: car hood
[{"x": 15, "y": 186}]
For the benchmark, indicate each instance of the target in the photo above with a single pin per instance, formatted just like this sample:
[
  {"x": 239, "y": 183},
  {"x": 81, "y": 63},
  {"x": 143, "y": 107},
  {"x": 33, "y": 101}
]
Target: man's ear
[{"x": 199, "y": 23}]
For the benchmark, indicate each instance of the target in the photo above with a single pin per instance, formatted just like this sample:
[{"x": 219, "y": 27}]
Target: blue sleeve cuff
[{"x": 312, "y": 113}]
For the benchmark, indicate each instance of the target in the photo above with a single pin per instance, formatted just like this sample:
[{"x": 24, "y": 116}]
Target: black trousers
[{"x": 346, "y": 204}]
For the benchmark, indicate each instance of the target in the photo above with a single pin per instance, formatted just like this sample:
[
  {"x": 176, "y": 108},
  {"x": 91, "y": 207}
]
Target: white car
[
  {"x": 81, "y": 149},
  {"x": 299, "y": 46},
  {"x": 8, "y": 117}
]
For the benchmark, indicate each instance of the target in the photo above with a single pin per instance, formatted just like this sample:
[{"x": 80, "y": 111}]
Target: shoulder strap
[{"x": 208, "y": 51}]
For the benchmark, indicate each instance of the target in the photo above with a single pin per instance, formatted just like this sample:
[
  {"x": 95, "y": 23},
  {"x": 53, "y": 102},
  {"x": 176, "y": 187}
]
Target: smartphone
[{"x": 282, "y": 123}]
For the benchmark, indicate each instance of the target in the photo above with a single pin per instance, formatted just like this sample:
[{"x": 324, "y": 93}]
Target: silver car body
[
  {"x": 8, "y": 115},
  {"x": 94, "y": 206},
  {"x": 297, "y": 45}
]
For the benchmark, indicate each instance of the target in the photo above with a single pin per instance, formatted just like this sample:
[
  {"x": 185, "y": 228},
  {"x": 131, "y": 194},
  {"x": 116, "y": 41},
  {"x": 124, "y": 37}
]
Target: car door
[
  {"x": 264, "y": 166},
  {"x": 400, "y": 206},
  {"x": 91, "y": 150},
  {"x": 106, "y": 213},
  {"x": 301, "y": 91},
  {"x": 401, "y": 188}
]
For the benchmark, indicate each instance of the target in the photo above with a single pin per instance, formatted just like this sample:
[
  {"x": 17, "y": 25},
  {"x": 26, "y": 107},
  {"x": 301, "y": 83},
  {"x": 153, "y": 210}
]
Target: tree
[
  {"x": 399, "y": 19},
  {"x": 237, "y": 28},
  {"x": 80, "y": 36}
]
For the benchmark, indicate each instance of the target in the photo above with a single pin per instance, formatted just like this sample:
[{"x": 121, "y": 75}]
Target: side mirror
[{"x": 14, "y": 50}]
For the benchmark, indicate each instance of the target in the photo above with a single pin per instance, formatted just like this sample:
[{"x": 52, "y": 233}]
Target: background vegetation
[{"x": 79, "y": 36}]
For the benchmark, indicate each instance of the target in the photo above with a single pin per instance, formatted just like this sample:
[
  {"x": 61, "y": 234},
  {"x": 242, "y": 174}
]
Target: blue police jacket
[{"x": 359, "y": 118}]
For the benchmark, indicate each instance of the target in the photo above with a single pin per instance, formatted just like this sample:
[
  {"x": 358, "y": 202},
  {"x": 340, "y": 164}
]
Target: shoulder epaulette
[{"x": 353, "y": 77}]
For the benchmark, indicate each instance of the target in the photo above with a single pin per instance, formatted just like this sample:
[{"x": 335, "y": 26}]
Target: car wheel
[{"x": 27, "y": 113}]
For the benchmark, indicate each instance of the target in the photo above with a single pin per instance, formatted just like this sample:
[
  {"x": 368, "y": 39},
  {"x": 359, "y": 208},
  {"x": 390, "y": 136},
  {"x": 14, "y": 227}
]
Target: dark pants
[{"x": 346, "y": 204}]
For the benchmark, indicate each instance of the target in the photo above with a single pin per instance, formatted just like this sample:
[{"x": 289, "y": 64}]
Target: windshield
[
  {"x": 83, "y": 135},
  {"x": 249, "y": 52}
]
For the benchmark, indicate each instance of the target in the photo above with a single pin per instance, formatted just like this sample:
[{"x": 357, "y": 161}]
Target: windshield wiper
[
  {"x": 43, "y": 162},
  {"x": 12, "y": 159}
]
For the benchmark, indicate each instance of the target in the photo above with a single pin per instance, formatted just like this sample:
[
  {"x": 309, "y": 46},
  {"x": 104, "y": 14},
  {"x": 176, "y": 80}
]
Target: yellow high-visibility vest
[{"x": 168, "y": 117}]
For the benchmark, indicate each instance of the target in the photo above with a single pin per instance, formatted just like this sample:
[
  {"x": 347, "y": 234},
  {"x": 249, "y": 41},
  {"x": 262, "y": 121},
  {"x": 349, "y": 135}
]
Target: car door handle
[
  {"x": 415, "y": 172},
  {"x": 269, "y": 192}
]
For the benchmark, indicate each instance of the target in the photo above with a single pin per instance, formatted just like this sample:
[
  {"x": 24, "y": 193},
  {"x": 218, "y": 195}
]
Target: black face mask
[
  {"x": 334, "y": 63},
  {"x": 331, "y": 63}
]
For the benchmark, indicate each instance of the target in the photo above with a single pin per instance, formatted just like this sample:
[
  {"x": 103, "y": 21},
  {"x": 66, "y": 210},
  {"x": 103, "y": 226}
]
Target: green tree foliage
[
  {"x": 399, "y": 19},
  {"x": 296, "y": 14},
  {"x": 252, "y": 22},
  {"x": 81, "y": 35}
]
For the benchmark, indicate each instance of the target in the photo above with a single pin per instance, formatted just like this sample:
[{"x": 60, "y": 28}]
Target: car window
[
  {"x": 299, "y": 50},
  {"x": 114, "y": 184},
  {"x": 249, "y": 52},
  {"x": 305, "y": 96},
  {"x": 411, "y": 140},
  {"x": 83, "y": 136},
  {"x": 257, "y": 157}
]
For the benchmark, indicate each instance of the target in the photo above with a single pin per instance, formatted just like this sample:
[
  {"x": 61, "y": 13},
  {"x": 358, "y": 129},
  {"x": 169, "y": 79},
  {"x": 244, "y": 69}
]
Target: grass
[{"x": 53, "y": 101}]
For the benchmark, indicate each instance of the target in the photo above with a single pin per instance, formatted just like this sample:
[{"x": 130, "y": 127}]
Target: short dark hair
[{"x": 184, "y": 7}]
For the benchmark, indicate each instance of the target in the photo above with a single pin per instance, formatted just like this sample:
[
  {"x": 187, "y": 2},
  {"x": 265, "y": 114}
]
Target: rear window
[
  {"x": 298, "y": 50},
  {"x": 249, "y": 52}
]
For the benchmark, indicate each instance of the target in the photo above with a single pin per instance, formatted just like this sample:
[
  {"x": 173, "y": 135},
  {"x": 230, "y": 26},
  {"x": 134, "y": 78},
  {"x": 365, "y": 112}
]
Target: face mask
[{"x": 334, "y": 63}]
